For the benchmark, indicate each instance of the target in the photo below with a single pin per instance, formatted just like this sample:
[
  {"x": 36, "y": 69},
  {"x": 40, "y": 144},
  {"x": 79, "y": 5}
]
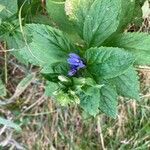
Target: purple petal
[
  {"x": 72, "y": 72},
  {"x": 73, "y": 67},
  {"x": 73, "y": 61},
  {"x": 73, "y": 55}
]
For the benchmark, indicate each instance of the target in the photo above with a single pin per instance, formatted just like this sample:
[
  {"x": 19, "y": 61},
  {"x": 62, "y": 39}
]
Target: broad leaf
[
  {"x": 57, "y": 68},
  {"x": 131, "y": 13},
  {"x": 2, "y": 89},
  {"x": 108, "y": 100},
  {"x": 108, "y": 62},
  {"x": 48, "y": 46},
  {"x": 15, "y": 41},
  {"x": 137, "y": 17},
  {"x": 77, "y": 11},
  {"x": 56, "y": 11},
  {"x": 127, "y": 84},
  {"x": 90, "y": 102},
  {"x": 101, "y": 21},
  {"x": 50, "y": 88},
  {"x": 9, "y": 8},
  {"x": 96, "y": 19},
  {"x": 126, "y": 14},
  {"x": 136, "y": 43},
  {"x": 14, "y": 38}
]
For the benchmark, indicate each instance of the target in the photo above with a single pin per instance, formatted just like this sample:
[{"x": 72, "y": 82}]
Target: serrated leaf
[
  {"x": 108, "y": 100},
  {"x": 131, "y": 12},
  {"x": 9, "y": 123},
  {"x": 57, "y": 68},
  {"x": 127, "y": 84},
  {"x": 15, "y": 41},
  {"x": 127, "y": 12},
  {"x": 101, "y": 21},
  {"x": 90, "y": 103},
  {"x": 96, "y": 20},
  {"x": 136, "y": 43},
  {"x": 9, "y": 8},
  {"x": 56, "y": 11},
  {"x": 77, "y": 11},
  {"x": 108, "y": 62},
  {"x": 2, "y": 89},
  {"x": 48, "y": 46}
]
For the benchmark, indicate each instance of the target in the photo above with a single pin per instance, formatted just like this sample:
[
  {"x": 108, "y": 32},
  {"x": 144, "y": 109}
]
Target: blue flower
[{"x": 75, "y": 63}]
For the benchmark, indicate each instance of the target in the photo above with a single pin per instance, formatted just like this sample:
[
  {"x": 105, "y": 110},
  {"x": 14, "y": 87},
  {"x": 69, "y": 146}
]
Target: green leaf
[
  {"x": 50, "y": 88},
  {"x": 136, "y": 43},
  {"x": 56, "y": 69},
  {"x": 88, "y": 91},
  {"x": 15, "y": 41},
  {"x": 137, "y": 18},
  {"x": 1, "y": 7},
  {"x": 2, "y": 89},
  {"x": 77, "y": 11},
  {"x": 6, "y": 28},
  {"x": 127, "y": 12},
  {"x": 96, "y": 20},
  {"x": 108, "y": 100},
  {"x": 101, "y": 21},
  {"x": 56, "y": 11},
  {"x": 48, "y": 46},
  {"x": 9, "y": 123},
  {"x": 141, "y": 2},
  {"x": 64, "y": 98},
  {"x": 30, "y": 9},
  {"x": 131, "y": 12},
  {"x": 108, "y": 62},
  {"x": 90, "y": 102},
  {"x": 127, "y": 84},
  {"x": 9, "y": 8},
  {"x": 14, "y": 38}
]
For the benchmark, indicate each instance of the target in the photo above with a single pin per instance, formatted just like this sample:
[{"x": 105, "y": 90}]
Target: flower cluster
[{"x": 75, "y": 63}]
